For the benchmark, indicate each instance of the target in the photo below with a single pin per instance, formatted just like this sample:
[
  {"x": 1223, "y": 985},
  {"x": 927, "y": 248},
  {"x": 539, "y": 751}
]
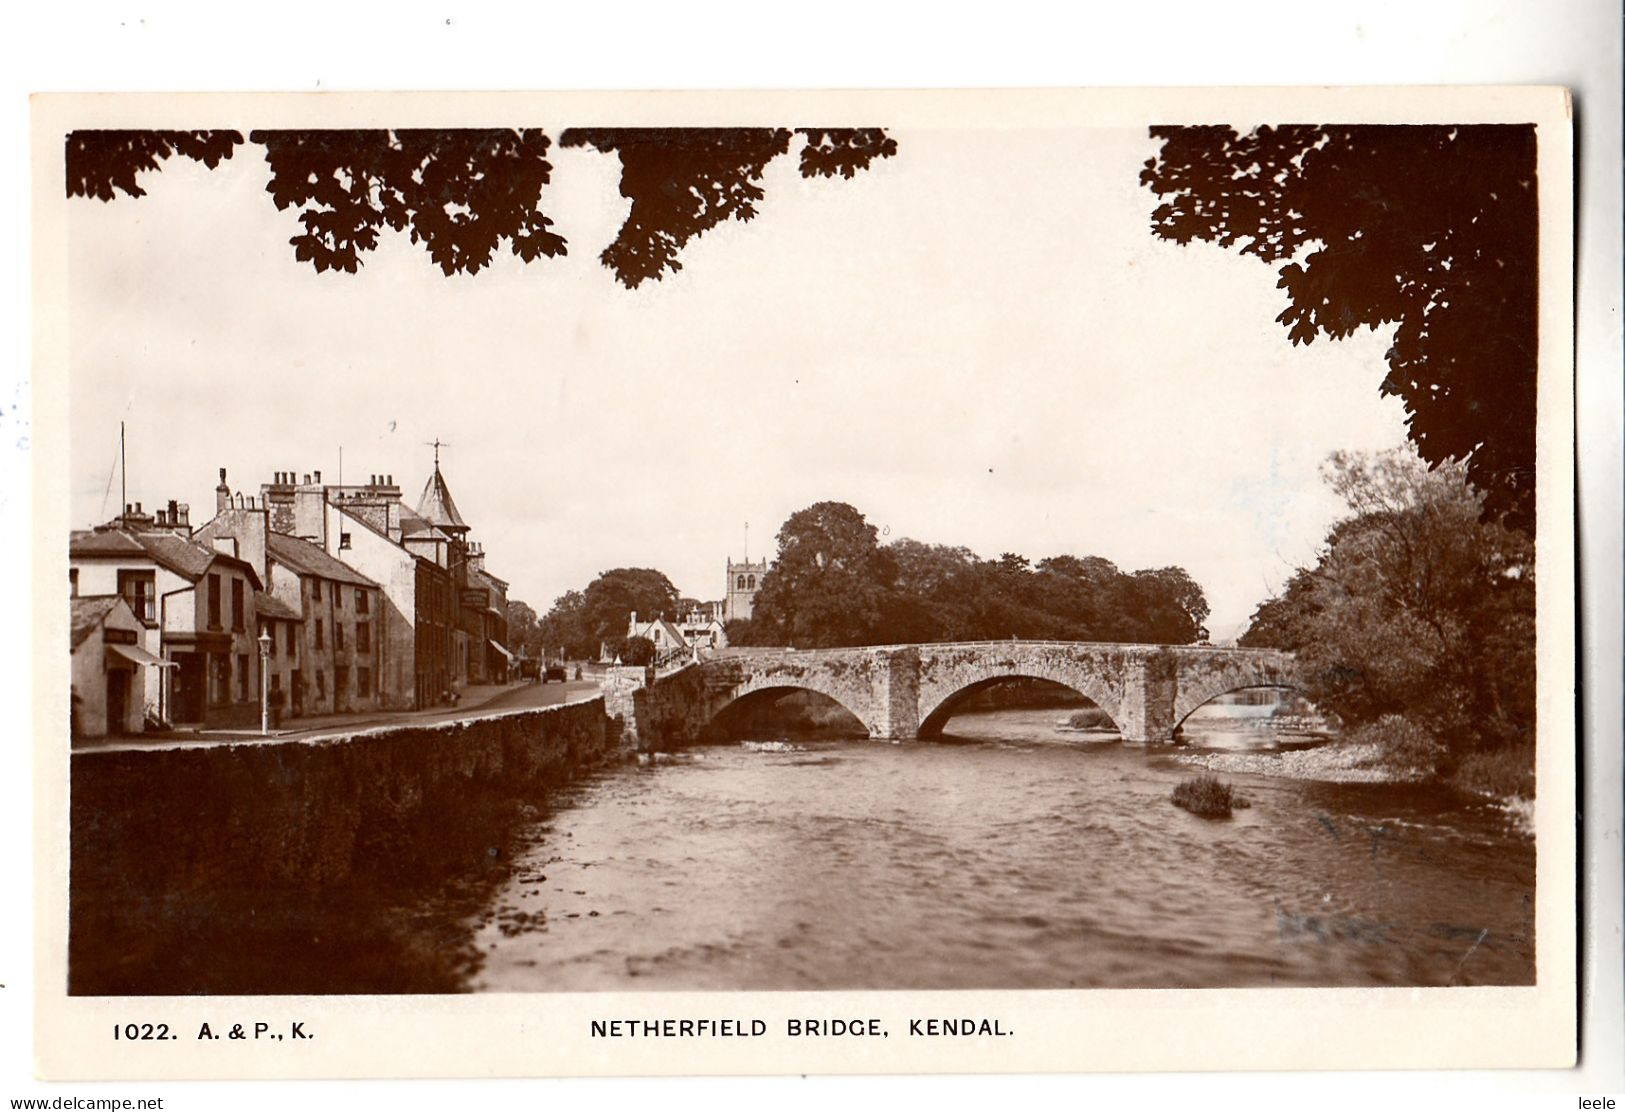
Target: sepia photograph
[{"x": 582, "y": 546}]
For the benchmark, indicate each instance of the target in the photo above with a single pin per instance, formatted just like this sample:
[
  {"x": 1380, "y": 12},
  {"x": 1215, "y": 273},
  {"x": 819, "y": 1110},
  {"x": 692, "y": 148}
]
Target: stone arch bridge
[{"x": 909, "y": 691}]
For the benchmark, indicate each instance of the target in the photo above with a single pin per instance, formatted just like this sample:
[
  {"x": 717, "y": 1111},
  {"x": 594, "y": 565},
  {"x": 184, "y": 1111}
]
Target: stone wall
[{"x": 181, "y": 851}]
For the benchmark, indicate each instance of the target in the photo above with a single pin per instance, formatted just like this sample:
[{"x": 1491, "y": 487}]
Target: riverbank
[
  {"x": 1332, "y": 763},
  {"x": 1357, "y": 763}
]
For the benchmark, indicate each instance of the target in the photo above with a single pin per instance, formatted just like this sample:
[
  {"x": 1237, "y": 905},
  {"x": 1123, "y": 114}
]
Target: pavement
[{"x": 475, "y": 701}]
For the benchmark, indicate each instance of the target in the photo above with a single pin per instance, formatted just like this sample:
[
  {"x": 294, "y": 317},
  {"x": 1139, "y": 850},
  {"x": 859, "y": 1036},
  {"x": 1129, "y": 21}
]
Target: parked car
[{"x": 554, "y": 671}]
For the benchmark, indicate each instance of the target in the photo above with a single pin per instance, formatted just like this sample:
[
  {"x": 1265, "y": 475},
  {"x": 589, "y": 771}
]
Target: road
[{"x": 477, "y": 703}]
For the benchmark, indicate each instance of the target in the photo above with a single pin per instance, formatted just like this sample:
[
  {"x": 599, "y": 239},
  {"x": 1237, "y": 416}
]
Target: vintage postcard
[{"x": 560, "y": 584}]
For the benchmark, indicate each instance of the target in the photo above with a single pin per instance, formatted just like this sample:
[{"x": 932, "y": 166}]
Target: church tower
[{"x": 744, "y": 580}]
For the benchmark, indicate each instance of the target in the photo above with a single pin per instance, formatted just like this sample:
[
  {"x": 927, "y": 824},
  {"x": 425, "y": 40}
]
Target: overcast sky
[{"x": 975, "y": 342}]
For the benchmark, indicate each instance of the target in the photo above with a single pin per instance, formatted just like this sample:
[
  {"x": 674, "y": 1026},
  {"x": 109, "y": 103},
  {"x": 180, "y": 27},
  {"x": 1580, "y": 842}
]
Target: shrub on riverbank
[
  {"x": 1090, "y": 718},
  {"x": 1504, "y": 773},
  {"x": 1402, "y": 745},
  {"x": 1207, "y": 795}
]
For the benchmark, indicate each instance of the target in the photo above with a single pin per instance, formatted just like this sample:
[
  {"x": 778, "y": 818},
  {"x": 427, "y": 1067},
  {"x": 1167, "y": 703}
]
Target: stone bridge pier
[{"x": 903, "y": 692}]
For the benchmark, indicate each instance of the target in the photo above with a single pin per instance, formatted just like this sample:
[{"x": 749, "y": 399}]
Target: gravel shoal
[{"x": 1348, "y": 764}]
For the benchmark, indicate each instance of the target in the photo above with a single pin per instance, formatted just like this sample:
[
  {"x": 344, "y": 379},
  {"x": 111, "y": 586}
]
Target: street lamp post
[{"x": 265, "y": 682}]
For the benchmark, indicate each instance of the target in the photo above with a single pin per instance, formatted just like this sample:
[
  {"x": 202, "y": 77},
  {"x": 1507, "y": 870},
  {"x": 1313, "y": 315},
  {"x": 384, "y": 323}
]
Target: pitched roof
[
  {"x": 646, "y": 630},
  {"x": 110, "y": 542},
  {"x": 413, "y": 525},
  {"x": 269, "y": 606},
  {"x": 311, "y": 559},
  {"x": 437, "y": 507},
  {"x": 480, "y": 575},
  {"x": 86, "y": 613},
  {"x": 400, "y": 547},
  {"x": 186, "y": 558}
]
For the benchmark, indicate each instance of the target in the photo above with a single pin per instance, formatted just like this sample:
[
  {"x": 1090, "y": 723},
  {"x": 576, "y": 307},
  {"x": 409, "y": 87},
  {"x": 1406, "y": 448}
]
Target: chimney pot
[
  {"x": 389, "y": 480},
  {"x": 318, "y": 476},
  {"x": 307, "y": 478},
  {"x": 222, "y": 474},
  {"x": 138, "y": 509}
]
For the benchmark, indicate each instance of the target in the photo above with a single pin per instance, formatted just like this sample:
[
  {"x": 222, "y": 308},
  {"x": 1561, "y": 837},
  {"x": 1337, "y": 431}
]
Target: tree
[
  {"x": 1169, "y": 605},
  {"x": 1431, "y": 228},
  {"x": 582, "y": 622},
  {"x": 829, "y": 584},
  {"x": 464, "y": 192},
  {"x": 1416, "y": 608},
  {"x": 833, "y": 586},
  {"x": 564, "y": 627},
  {"x": 611, "y": 599},
  {"x": 524, "y": 630}
]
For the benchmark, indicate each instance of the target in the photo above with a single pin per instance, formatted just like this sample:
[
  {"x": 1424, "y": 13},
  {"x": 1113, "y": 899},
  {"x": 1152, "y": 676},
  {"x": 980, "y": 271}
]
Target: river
[{"x": 1008, "y": 854}]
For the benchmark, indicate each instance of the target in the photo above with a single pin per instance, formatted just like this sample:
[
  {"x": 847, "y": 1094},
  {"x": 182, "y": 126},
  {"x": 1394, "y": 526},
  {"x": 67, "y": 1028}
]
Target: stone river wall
[{"x": 222, "y": 867}]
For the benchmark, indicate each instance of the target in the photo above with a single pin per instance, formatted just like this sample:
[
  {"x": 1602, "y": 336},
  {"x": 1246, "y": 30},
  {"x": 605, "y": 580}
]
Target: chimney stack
[{"x": 222, "y": 494}]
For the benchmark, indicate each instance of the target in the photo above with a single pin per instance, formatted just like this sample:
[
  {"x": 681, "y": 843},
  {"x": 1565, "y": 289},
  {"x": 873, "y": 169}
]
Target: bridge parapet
[{"x": 904, "y": 691}]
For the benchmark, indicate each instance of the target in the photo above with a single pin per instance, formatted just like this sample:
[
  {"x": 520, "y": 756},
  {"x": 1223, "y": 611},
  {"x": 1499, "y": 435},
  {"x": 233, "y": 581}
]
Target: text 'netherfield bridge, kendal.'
[{"x": 903, "y": 692}]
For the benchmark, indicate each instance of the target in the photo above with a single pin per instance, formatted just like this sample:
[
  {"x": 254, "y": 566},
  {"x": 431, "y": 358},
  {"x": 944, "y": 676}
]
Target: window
[
  {"x": 276, "y": 681},
  {"x": 293, "y": 645},
  {"x": 333, "y": 595},
  {"x": 321, "y": 685},
  {"x": 242, "y": 677},
  {"x": 338, "y": 637},
  {"x": 319, "y": 636},
  {"x": 361, "y": 601},
  {"x": 341, "y": 682},
  {"x": 236, "y": 604},
  {"x": 739, "y": 584},
  {"x": 139, "y": 589},
  {"x": 214, "y": 600},
  {"x": 751, "y": 586},
  {"x": 363, "y": 637},
  {"x": 363, "y": 681},
  {"x": 73, "y": 582}
]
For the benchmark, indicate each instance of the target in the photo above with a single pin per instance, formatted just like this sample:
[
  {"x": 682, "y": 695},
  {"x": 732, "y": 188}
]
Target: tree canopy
[
  {"x": 525, "y": 631},
  {"x": 582, "y": 621},
  {"x": 828, "y": 584},
  {"x": 1430, "y": 228},
  {"x": 683, "y": 181},
  {"x": 833, "y": 583},
  {"x": 1416, "y": 608},
  {"x": 462, "y": 193}
]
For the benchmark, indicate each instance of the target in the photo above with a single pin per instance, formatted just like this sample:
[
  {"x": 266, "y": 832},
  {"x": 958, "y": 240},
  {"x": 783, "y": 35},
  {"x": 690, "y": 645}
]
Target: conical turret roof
[{"x": 437, "y": 508}]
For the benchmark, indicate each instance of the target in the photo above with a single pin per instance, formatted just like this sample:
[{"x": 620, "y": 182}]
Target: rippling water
[{"x": 1007, "y": 855}]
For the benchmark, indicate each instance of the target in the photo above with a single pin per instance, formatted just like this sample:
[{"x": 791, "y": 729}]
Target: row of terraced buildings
[{"x": 353, "y": 601}]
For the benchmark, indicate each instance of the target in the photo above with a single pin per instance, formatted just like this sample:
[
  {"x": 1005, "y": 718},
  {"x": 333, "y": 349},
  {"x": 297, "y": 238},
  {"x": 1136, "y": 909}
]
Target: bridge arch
[
  {"x": 940, "y": 691},
  {"x": 855, "y": 703},
  {"x": 937, "y": 717},
  {"x": 1220, "y": 675}
]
